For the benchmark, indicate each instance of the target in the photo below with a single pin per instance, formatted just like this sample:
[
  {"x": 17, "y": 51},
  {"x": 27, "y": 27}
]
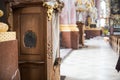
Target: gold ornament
[
  {"x": 52, "y": 6},
  {"x": 1, "y": 13},
  {"x": 3, "y": 27}
]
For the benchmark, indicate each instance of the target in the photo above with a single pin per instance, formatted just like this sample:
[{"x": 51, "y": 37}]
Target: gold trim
[{"x": 68, "y": 28}]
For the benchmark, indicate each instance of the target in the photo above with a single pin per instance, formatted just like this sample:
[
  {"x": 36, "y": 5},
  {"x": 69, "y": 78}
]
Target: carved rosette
[{"x": 53, "y": 6}]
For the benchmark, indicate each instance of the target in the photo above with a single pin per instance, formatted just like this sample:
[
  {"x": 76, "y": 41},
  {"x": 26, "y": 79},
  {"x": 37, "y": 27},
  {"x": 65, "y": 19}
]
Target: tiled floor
[{"x": 97, "y": 62}]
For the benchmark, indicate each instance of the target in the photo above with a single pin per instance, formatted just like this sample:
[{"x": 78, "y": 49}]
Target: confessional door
[{"x": 34, "y": 33}]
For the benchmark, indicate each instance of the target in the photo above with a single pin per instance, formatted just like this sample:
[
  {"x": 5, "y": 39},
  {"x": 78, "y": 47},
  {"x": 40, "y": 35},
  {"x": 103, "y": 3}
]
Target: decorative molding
[
  {"x": 49, "y": 49},
  {"x": 52, "y": 6},
  {"x": 10, "y": 16}
]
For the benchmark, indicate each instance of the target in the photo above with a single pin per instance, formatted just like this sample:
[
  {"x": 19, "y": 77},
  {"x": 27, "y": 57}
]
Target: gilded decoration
[
  {"x": 51, "y": 6},
  {"x": 1, "y": 13},
  {"x": 86, "y": 7}
]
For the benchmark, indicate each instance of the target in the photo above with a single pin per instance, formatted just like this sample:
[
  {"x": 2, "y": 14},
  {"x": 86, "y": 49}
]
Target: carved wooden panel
[
  {"x": 32, "y": 71},
  {"x": 30, "y": 26},
  {"x": 32, "y": 22}
]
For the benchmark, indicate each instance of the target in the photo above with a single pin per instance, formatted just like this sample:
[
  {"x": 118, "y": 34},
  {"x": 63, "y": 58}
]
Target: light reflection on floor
[{"x": 97, "y": 62}]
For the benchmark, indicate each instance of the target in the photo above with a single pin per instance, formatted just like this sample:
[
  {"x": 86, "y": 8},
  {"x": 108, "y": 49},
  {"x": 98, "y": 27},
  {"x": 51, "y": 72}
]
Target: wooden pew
[{"x": 115, "y": 42}]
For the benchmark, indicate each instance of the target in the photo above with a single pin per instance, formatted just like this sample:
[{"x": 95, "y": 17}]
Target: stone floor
[
  {"x": 64, "y": 52},
  {"x": 96, "y": 62}
]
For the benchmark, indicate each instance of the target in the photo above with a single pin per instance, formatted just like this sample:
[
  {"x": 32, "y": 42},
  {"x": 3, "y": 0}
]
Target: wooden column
[
  {"x": 68, "y": 27},
  {"x": 80, "y": 26},
  {"x": 69, "y": 36}
]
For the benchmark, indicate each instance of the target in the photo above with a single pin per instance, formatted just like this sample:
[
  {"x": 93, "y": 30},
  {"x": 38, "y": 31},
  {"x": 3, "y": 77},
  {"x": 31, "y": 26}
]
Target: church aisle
[{"x": 96, "y": 62}]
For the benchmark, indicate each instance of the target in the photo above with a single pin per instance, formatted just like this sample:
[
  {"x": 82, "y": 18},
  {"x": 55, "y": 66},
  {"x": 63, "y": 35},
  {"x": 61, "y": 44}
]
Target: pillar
[{"x": 68, "y": 27}]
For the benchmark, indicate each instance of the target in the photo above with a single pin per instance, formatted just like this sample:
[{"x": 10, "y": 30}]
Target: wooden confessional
[{"x": 36, "y": 23}]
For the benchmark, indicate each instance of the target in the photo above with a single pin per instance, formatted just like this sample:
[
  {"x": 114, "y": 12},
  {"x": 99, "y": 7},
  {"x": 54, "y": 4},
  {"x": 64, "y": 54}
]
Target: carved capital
[
  {"x": 60, "y": 6},
  {"x": 49, "y": 11},
  {"x": 53, "y": 6}
]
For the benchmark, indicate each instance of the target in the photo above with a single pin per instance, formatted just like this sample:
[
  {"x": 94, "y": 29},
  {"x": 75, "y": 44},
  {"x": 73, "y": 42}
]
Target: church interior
[{"x": 59, "y": 39}]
